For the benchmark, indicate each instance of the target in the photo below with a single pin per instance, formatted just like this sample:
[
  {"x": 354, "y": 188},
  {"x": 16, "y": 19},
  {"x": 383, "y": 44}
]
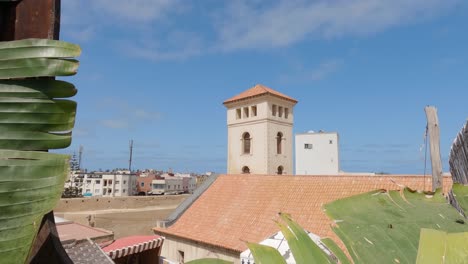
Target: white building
[
  {"x": 260, "y": 138},
  {"x": 109, "y": 184},
  {"x": 173, "y": 185},
  {"x": 317, "y": 153}
]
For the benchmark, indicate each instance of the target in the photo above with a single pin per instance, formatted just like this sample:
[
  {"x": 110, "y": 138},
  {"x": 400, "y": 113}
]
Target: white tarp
[{"x": 279, "y": 242}]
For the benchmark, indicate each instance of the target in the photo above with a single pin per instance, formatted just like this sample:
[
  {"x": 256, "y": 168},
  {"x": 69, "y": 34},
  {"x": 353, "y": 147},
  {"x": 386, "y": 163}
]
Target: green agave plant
[{"x": 33, "y": 119}]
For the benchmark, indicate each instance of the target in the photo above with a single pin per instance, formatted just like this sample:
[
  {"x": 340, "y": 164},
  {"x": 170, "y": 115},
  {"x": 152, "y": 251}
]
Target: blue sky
[{"x": 157, "y": 72}]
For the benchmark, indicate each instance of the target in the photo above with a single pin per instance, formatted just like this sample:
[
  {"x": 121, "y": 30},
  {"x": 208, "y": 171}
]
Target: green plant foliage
[
  {"x": 37, "y": 48},
  {"x": 461, "y": 194},
  {"x": 383, "y": 227},
  {"x": 208, "y": 261},
  {"x": 331, "y": 245},
  {"x": 37, "y": 58},
  {"x": 32, "y": 120},
  {"x": 302, "y": 247},
  {"x": 265, "y": 254},
  {"x": 441, "y": 247}
]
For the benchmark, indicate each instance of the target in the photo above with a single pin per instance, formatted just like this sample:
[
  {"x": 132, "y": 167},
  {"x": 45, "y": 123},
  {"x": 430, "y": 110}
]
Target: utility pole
[
  {"x": 131, "y": 153},
  {"x": 434, "y": 142}
]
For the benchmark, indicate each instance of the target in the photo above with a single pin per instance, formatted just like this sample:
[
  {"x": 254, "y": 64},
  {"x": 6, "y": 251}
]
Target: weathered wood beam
[
  {"x": 30, "y": 19},
  {"x": 434, "y": 142},
  {"x": 458, "y": 159}
]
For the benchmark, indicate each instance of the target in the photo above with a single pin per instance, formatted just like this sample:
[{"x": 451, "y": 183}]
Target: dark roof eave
[
  {"x": 229, "y": 101},
  {"x": 169, "y": 234}
]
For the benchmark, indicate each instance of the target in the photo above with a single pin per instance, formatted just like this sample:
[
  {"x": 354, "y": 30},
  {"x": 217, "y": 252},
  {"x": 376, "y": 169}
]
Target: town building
[
  {"x": 317, "y": 153},
  {"x": 183, "y": 183},
  {"x": 109, "y": 184},
  {"x": 260, "y": 139}
]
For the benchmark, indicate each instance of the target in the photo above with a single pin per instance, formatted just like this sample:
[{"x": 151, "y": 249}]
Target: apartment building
[{"x": 109, "y": 184}]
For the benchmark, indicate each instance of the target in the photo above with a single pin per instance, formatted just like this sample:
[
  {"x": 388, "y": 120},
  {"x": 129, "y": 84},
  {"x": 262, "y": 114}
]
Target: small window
[
  {"x": 116, "y": 190},
  {"x": 246, "y": 112},
  {"x": 180, "y": 256},
  {"x": 279, "y": 140},
  {"x": 142, "y": 184},
  {"x": 117, "y": 182},
  {"x": 246, "y": 143},
  {"x": 98, "y": 182},
  {"x": 273, "y": 110},
  {"x": 88, "y": 190},
  {"x": 238, "y": 113},
  {"x": 280, "y": 111},
  {"x": 105, "y": 182},
  {"x": 88, "y": 181},
  {"x": 280, "y": 170},
  {"x": 254, "y": 110},
  {"x": 331, "y": 141},
  {"x": 308, "y": 146},
  {"x": 286, "y": 113},
  {"x": 110, "y": 182},
  {"x": 125, "y": 182},
  {"x": 123, "y": 190},
  {"x": 245, "y": 170}
]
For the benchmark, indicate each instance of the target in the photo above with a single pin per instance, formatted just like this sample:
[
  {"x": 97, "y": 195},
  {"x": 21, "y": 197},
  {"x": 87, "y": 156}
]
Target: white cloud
[
  {"x": 170, "y": 29},
  {"x": 324, "y": 69},
  {"x": 136, "y": 10},
  {"x": 287, "y": 22},
  {"x": 124, "y": 115},
  {"x": 82, "y": 34},
  {"x": 115, "y": 123}
]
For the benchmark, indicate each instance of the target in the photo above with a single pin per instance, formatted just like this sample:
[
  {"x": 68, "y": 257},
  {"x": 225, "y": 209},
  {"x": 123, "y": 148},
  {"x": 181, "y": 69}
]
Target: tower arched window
[
  {"x": 279, "y": 139},
  {"x": 245, "y": 170},
  {"x": 246, "y": 142},
  {"x": 280, "y": 170}
]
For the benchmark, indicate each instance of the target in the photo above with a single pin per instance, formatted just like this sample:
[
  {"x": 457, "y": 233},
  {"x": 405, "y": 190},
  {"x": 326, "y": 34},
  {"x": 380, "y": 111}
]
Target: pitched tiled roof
[
  {"x": 132, "y": 245},
  {"x": 239, "y": 208},
  {"x": 258, "y": 90}
]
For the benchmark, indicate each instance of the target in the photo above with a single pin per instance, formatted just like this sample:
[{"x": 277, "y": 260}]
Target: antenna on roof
[{"x": 131, "y": 153}]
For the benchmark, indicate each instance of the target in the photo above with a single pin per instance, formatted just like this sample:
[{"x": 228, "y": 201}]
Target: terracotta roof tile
[
  {"x": 258, "y": 90},
  {"x": 239, "y": 208}
]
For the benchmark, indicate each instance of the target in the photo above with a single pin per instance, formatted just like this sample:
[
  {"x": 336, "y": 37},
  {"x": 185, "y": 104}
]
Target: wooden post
[
  {"x": 30, "y": 19},
  {"x": 434, "y": 142},
  {"x": 21, "y": 19}
]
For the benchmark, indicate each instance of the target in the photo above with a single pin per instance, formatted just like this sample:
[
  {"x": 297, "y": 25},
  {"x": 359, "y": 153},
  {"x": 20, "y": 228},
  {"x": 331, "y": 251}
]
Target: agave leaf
[
  {"x": 38, "y": 48},
  {"x": 336, "y": 250},
  {"x": 25, "y": 140},
  {"x": 461, "y": 194},
  {"x": 41, "y": 88},
  {"x": 32, "y": 119},
  {"x": 442, "y": 247},
  {"x": 265, "y": 254},
  {"x": 302, "y": 247},
  {"x": 37, "y": 67},
  {"x": 209, "y": 261},
  {"x": 30, "y": 186},
  {"x": 383, "y": 227}
]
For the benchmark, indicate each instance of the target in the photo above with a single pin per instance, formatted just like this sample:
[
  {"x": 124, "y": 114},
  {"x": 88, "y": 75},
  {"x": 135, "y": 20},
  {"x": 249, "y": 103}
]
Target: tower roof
[{"x": 258, "y": 90}]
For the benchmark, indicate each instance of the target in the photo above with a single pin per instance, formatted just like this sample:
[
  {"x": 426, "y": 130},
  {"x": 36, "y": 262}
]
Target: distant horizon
[{"x": 157, "y": 72}]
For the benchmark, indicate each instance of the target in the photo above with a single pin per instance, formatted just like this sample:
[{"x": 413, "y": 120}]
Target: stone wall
[{"x": 129, "y": 202}]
